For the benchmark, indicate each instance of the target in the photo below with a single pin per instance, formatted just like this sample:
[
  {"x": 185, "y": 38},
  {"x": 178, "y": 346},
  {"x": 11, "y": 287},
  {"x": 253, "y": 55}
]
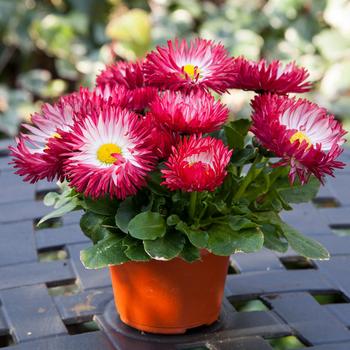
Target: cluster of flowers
[{"x": 106, "y": 141}]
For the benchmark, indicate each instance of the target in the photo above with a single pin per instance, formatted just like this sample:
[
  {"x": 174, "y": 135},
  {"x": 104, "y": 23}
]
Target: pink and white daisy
[
  {"x": 197, "y": 164},
  {"x": 110, "y": 153},
  {"x": 195, "y": 112},
  {"x": 301, "y": 133},
  {"x": 273, "y": 77},
  {"x": 182, "y": 66},
  {"x": 37, "y": 155},
  {"x": 129, "y": 76}
]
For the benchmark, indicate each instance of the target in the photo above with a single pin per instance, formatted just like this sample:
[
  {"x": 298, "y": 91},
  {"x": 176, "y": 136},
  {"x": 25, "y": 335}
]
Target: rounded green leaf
[
  {"x": 190, "y": 253},
  {"x": 134, "y": 249},
  {"x": 102, "y": 206},
  {"x": 225, "y": 241},
  {"x": 248, "y": 241},
  {"x": 297, "y": 193},
  {"x": 173, "y": 220},
  {"x": 92, "y": 226},
  {"x": 197, "y": 237},
  {"x": 165, "y": 248},
  {"x": 305, "y": 246},
  {"x": 125, "y": 213},
  {"x": 220, "y": 240},
  {"x": 109, "y": 251},
  {"x": 147, "y": 225}
]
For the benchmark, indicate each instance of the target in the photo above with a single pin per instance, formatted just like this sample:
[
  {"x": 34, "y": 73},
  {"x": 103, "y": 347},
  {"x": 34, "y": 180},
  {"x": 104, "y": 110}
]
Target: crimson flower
[
  {"x": 273, "y": 77},
  {"x": 301, "y": 133},
  {"x": 195, "y": 112},
  {"x": 161, "y": 138},
  {"x": 110, "y": 153},
  {"x": 129, "y": 76},
  {"x": 182, "y": 66},
  {"x": 197, "y": 164}
]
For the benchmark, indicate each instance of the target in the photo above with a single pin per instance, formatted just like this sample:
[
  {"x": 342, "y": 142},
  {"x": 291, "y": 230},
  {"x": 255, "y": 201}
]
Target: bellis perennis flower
[
  {"x": 110, "y": 154},
  {"x": 129, "y": 77},
  {"x": 36, "y": 157},
  {"x": 161, "y": 138},
  {"x": 182, "y": 66},
  {"x": 301, "y": 133},
  {"x": 196, "y": 112},
  {"x": 273, "y": 77},
  {"x": 197, "y": 164},
  {"x": 161, "y": 170}
]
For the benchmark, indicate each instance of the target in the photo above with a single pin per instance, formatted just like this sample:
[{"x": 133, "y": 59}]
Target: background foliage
[{"x": 50, "y": 47}]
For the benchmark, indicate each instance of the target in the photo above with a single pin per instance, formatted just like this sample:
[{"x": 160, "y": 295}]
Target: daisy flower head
[
  {"x": 129, "y": 77},
  {"x": 301, "y": 133},
  {"x": 183, "y": 66},
  {"x": 195, "y": 112},
  {"x": 197, "y": 164},
  {"x": 37, "y": 155},
  {"x": 110, "y": 153},
  {"x": 128, "y": 74},
  {"x": 274, "y": 77},
  {"x": 162, "y": 139}
]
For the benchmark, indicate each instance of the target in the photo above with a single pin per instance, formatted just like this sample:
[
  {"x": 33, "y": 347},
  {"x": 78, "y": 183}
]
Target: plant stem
[
  {"x": 248, "y": 178},
  {"x": 193, "y": 204}
]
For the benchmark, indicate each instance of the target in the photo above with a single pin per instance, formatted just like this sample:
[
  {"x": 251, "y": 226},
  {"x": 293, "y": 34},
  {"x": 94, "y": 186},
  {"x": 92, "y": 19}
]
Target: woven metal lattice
[{"x": 49, "y": 301}]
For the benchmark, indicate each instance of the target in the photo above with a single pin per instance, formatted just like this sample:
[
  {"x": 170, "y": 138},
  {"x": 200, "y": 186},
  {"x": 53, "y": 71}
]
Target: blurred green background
[{"x": 51, "y": 47}]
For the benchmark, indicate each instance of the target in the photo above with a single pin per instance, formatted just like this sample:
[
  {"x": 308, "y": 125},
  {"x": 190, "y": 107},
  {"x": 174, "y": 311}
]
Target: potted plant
[{"x": 170, "y": 186}]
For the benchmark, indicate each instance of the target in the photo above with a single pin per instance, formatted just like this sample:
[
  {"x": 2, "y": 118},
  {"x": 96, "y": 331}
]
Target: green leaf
[
  {"x": 172, "y": 220},
  {"x": 220, "y": 240},
  {"x": 109, "y": 251},
  {"x": 51, "y": 198},
  {"x": 238, "y": 223},
  {"x": 198, "y": 238},
  {"x": 268, "y": 217},
  {"x": 190, "y": 253},
  {"x": 236, "y": 132},
  {"x": 147, "y": 225},
  {"x": 243, "y": 156},
  {"x": 92, "y": 226},
  {"x": 134, "y": 249},
  {"x": 165, "y": 248},
  {"x": 248, "y": 241},
  {"x": 272, "y": 239},
  {"x": 297, "y": 193},
  {"x": 125, "y": 213},
  {"x": 305, "y": 246},
  {"x": 220, "y": 206},
  {"x": 68, "y": 207},
  {"x": 225, "y": 241},
  {"x": 154, "y": 183},
  {"x": 102, "y": 206}
]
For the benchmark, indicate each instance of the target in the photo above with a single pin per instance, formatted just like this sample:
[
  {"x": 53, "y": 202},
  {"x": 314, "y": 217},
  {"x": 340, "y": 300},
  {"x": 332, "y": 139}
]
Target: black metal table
[{"x": 57, "y": 304}]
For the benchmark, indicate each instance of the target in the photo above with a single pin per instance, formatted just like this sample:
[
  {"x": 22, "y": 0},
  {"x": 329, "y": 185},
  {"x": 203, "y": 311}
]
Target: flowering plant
[{"x": 159, "y": 169}]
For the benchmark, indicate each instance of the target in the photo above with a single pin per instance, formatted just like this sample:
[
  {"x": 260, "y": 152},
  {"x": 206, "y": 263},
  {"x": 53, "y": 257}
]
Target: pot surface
[{"x": 169, "y": 296}]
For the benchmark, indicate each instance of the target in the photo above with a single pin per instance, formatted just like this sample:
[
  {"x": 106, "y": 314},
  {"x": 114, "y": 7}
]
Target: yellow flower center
[
  {"x": 300, "y": 136},
  {"x": 56, "y": 135},
  {"x": 191, "y": 70},
  {"x": 106, "y": 151}
]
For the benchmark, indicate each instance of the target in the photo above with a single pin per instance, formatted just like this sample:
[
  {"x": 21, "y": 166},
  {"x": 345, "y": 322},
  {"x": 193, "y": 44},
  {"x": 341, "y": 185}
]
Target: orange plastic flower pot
[{"x": 169, "y": 296}]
